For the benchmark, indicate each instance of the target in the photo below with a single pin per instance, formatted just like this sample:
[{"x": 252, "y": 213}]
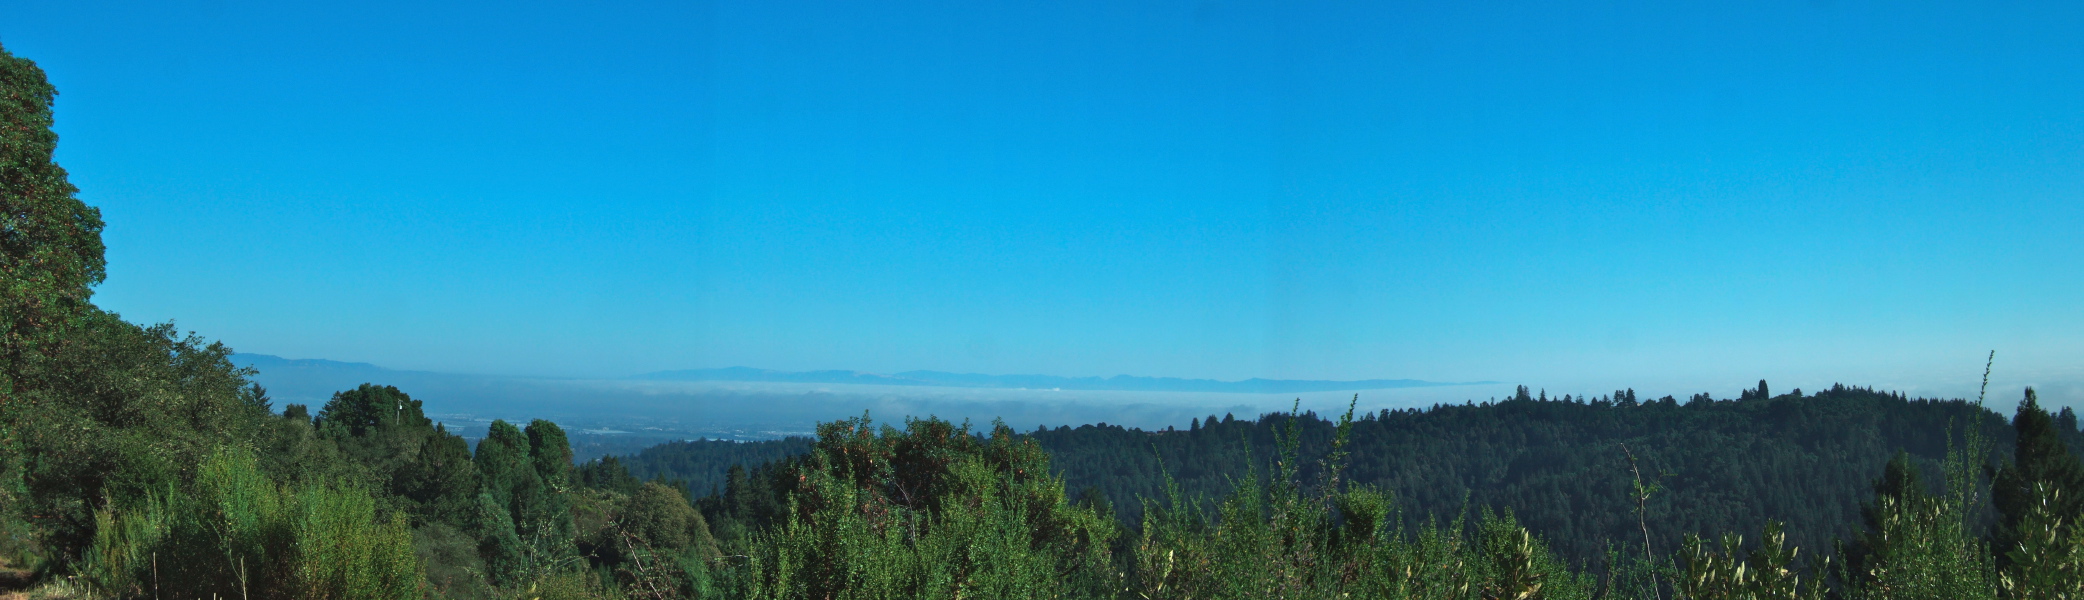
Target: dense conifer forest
[
  {"x": 1562, "y": 465},
  {"x": 700, "y": 466},
  {"x": 139, "y": 462}
]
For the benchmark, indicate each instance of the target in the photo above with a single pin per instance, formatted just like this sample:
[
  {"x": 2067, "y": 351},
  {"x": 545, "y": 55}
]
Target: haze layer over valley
[
  {"x": 628, "y": 413},
  {"x": 625, "y": 415}
]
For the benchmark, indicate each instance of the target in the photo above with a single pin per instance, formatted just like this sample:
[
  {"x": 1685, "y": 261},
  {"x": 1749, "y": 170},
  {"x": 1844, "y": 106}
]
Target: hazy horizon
[
  {"x": 729, "y": 405},
  {"x": 1672, "y": 198}
]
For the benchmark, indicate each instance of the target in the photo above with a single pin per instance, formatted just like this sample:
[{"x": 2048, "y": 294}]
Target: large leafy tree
[
  {"x": 50, "y": 241},
  {"x": 92, "y": 408},
  {"x": 368, "y": 408},
  {"x": 50, "y": 257},
  {"x": 426, "y": 469},
  {"x": 121, "y": 412}
]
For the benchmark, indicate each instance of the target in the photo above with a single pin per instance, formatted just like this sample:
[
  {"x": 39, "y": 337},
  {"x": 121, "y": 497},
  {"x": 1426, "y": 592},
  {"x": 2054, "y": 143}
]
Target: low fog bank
[
  {"x": 770, "y": 409},
  {"x": 738, "y": 402}
]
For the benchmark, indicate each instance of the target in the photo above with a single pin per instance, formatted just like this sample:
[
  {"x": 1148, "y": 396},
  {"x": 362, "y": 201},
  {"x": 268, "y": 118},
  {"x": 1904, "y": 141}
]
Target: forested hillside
[
  {"x": 1561, "y": 464},
  {"x": 702, "y": 466}
]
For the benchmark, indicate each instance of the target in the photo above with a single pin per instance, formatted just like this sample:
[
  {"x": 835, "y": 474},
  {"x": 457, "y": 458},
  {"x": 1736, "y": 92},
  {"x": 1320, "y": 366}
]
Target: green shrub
[
  {"x": 2047, "y": 561},
  {"x": 1768, "y": 574},
  {"x": 933, "y": 511},
  {"x": 234, "y": 533},
  {"x": 450, "y": 556}
]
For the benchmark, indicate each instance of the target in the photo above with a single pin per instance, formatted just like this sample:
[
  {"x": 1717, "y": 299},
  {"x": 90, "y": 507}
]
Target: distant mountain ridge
[
  {"x": 1120, "y": 383},
  {"x": 311, "y": 379},
  {"x": 265, "y": 361}
]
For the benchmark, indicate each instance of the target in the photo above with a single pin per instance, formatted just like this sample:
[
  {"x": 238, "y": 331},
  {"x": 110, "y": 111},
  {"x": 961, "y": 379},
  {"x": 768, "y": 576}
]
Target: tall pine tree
[{"x": 2040, "y": 458}]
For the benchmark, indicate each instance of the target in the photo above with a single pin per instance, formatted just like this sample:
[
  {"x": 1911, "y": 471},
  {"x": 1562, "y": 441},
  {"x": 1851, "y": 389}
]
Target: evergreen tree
[
  {"x": 1899, "y": 485},
  {"x": 440, "y": 483},
  {"x": 509, "y": 487},
  {"x": 549, "y": 452},
  {"x": 542, "y": 515},
  {"x": 606, "y": 473},
  {"x": 2042, "y": 470}
]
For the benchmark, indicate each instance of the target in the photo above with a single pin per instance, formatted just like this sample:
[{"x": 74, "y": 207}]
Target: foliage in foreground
[
  {"x": 932, "y": 511},
  {"x": 239, "y": 531},
  {"x": 1278, "y": 540}
]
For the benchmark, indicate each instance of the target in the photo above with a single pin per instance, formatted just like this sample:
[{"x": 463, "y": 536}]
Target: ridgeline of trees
[
  {"x": 1566, "y": 466},
  {"x": 137, "y": 462}
]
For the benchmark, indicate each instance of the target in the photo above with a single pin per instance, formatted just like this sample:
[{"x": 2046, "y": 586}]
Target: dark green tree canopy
[
  {"x": 2039, "y": 458},
  {"x": 549, "y": 451},
  {"x": 502, "y": 461},
  {"x": 50, "y": 241},
  {"x": 371, "y": 406},
  {"x": 661, "y": 517}
]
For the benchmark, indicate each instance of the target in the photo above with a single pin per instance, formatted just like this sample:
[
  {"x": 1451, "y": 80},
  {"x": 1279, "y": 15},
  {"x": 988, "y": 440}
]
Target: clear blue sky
[{"x": 1596, "y": 193}]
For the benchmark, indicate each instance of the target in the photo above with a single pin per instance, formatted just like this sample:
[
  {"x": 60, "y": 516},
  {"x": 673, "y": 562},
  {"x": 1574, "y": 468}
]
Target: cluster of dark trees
[
  {"x": 702, "y": 466},
  {"x": 137, "y": 462},
  {"x": 1567, "y": 466}
]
